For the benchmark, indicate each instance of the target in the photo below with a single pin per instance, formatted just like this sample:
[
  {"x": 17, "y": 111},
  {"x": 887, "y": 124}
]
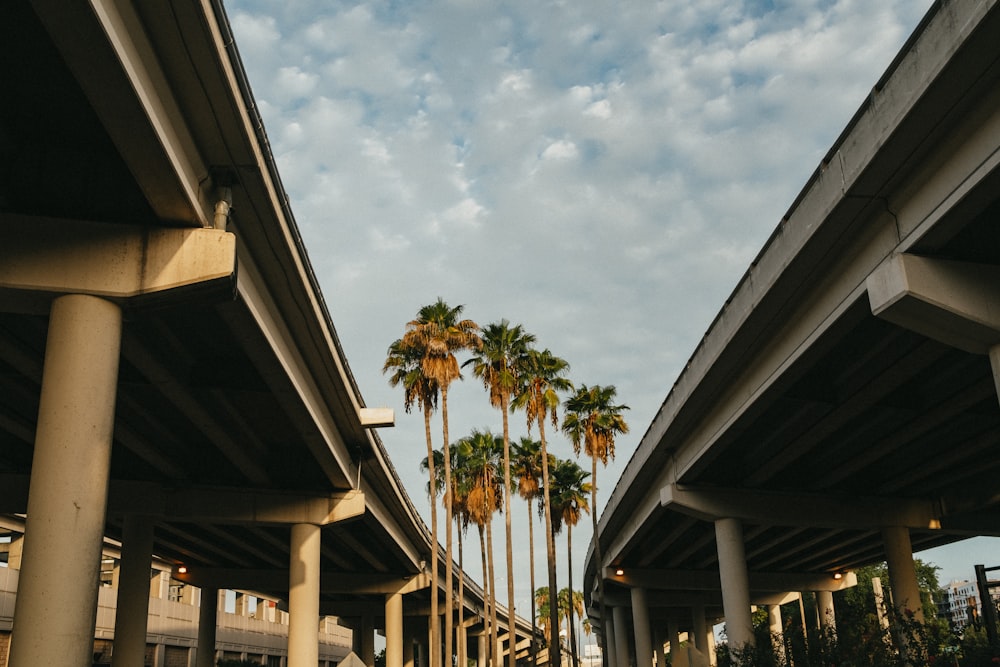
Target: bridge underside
[{"x": 849, "y": 384}]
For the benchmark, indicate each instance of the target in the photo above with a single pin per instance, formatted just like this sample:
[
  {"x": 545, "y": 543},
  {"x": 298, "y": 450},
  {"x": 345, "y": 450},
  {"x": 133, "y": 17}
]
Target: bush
[{"x": 864, "y": 645}]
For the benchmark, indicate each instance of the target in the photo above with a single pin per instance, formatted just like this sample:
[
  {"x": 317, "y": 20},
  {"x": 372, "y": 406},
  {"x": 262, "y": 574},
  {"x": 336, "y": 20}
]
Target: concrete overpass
[
  {"x": 170, "y": 374},
  {"x": 842, "y": 409}
]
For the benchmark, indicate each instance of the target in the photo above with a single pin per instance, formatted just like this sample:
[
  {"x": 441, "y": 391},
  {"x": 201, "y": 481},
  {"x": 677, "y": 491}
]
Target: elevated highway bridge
[
  {"x": 842, "y": 409},
  {"x": 169, "y": 372}
]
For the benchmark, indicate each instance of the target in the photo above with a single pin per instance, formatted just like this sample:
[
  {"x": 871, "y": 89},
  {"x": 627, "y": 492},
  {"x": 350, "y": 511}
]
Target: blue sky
[{"x": 601, "y": 173}]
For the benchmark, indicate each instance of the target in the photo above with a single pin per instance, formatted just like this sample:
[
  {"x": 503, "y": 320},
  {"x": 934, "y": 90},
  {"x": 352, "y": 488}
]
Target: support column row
[{"x": 735, "y": 587}]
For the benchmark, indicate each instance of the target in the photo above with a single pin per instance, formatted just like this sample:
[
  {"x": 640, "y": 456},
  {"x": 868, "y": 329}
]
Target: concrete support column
[
  {"x": 658, "y": 652},
  {"x": 776, "y": 628},
  {"x": 824, "y": 607},
  {"x": 641, "y": 628},
  {"x": 207, "y": 627},
  {"x": 303, "y": 596},
  {"x": 699, "y": 632},
  {"x": 408, "y": 652},
  {"x": 880, "y": 605},
  {"x": 735, "y": 582},
  {"x": 774, "y": 622},
  {"x": 133, "y": 592},
  {"x": 56, "y": 607},
  {"x": 610, "y": 650},
  {"x": 366, "y": 645},
  {"x": 902, "y": 574},
  {"x": 393, "y": 630},
  {"x": 621, "y": 637},
  {"x": 674, "y": 637},
  {"x": 482, "y": 658}
]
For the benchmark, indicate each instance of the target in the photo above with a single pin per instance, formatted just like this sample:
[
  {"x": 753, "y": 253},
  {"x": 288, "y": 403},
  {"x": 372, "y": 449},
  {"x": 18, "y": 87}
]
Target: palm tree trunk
[
  {"x": 435, "y": 630},
  {"x": 550, "y": 553},
  {"x": 448, "y": 564},
  {"x": 494, "y": 634},
  {"x": 511, "y": 616},
  {"x": 569, "y": 612},
  {"x": 531, "y": 560},
  {"x": 600, "y": 557},
  {"x": 460, "y": 647},
  {"x": 486, "y": 590}
]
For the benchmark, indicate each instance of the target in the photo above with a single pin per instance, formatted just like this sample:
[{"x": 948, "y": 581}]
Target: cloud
[{"x": 601, "y": 173}]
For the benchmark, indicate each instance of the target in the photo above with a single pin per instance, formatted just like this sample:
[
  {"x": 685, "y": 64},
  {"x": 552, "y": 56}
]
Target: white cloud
[
  {"x": 601, "y": 173},
  {"x": 560, "y": 150}
]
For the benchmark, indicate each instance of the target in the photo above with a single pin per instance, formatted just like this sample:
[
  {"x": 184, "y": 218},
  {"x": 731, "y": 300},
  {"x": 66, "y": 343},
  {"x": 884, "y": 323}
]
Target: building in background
[
  {"x": 959, "y": 603},
  {"x": 250, "y": 626}
]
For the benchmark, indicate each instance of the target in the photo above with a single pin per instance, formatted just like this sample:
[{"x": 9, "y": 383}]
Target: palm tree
[
  {"x": 483, "y": 498},
  {"x": 403, "y": 362},
  {"x": 497, "y": 363},
  {"x": 545, "y": 616},
  {"x": 460, "y": 453},
  {"x": 570, "y": 602},
  {"x": 437, "y": 333},
  {"x": 564, "y": 602},
  {"x": 568, "y": 496},
  {"x": 543, "y": 376},
  {"x": 592, "y": 422},
  {"x": 526, "y": 467}
]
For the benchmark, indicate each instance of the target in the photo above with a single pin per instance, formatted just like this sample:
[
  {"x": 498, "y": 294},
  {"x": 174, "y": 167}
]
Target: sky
[{"x": 601, "y": 173}]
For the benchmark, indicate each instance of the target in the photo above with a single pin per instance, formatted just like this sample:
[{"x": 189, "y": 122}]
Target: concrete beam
[
  {"x": 956, "y": 303},
  {"x": 234, "y": 506},
  {"x": 708, "y": 580},
  {"x": 112, "y": 261},
  {"x": 799, "y": 509},
  {"x": 376, "y": 417},
  {"x": 277, "y": 580}
]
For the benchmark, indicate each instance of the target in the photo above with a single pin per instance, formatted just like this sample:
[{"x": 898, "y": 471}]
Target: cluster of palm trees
[{"x": 475, "y": 474}]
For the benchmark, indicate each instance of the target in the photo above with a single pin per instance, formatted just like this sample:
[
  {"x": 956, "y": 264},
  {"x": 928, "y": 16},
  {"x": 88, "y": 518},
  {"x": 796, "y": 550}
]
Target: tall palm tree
[
  {"x": 483, "y": 498},
  {"x": 526, "y": 467},
  {"x": 564, "y": 601},
  {"x": 404, "y": 364},
  {"x": 542, "y": 378},
  {"x": 568, "y": 495},
  {"x": 570, "y": 602},
  {"x": 497, "y": 363},
  {"x": 592, "y": 421},
  {"x": 541, "y": 598},
  {"x": 438, "y": 332},
  {"x": 460, "y": 453}
]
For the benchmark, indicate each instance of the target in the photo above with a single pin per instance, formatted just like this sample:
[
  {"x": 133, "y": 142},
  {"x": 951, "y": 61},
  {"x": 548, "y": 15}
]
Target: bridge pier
[
  {"x": 133, "y": 592},
  {"x": 641, "y": 628},
  {"x": 621, "y": 636},
  {"x": 394, "y": 630},
  {"x": 674, "y": 637},
  {"x": 825, "y": 609},
  {"x": 902, "y": 574},
  {"x": 610, "y": 649},
  {"x": 207, "y": 627},
  {"x": 735, "y": 582},
  {"x": 56, "y": 607},
  {"x": 704, "y": 639},
  {"x": 303, "y": 596}
]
